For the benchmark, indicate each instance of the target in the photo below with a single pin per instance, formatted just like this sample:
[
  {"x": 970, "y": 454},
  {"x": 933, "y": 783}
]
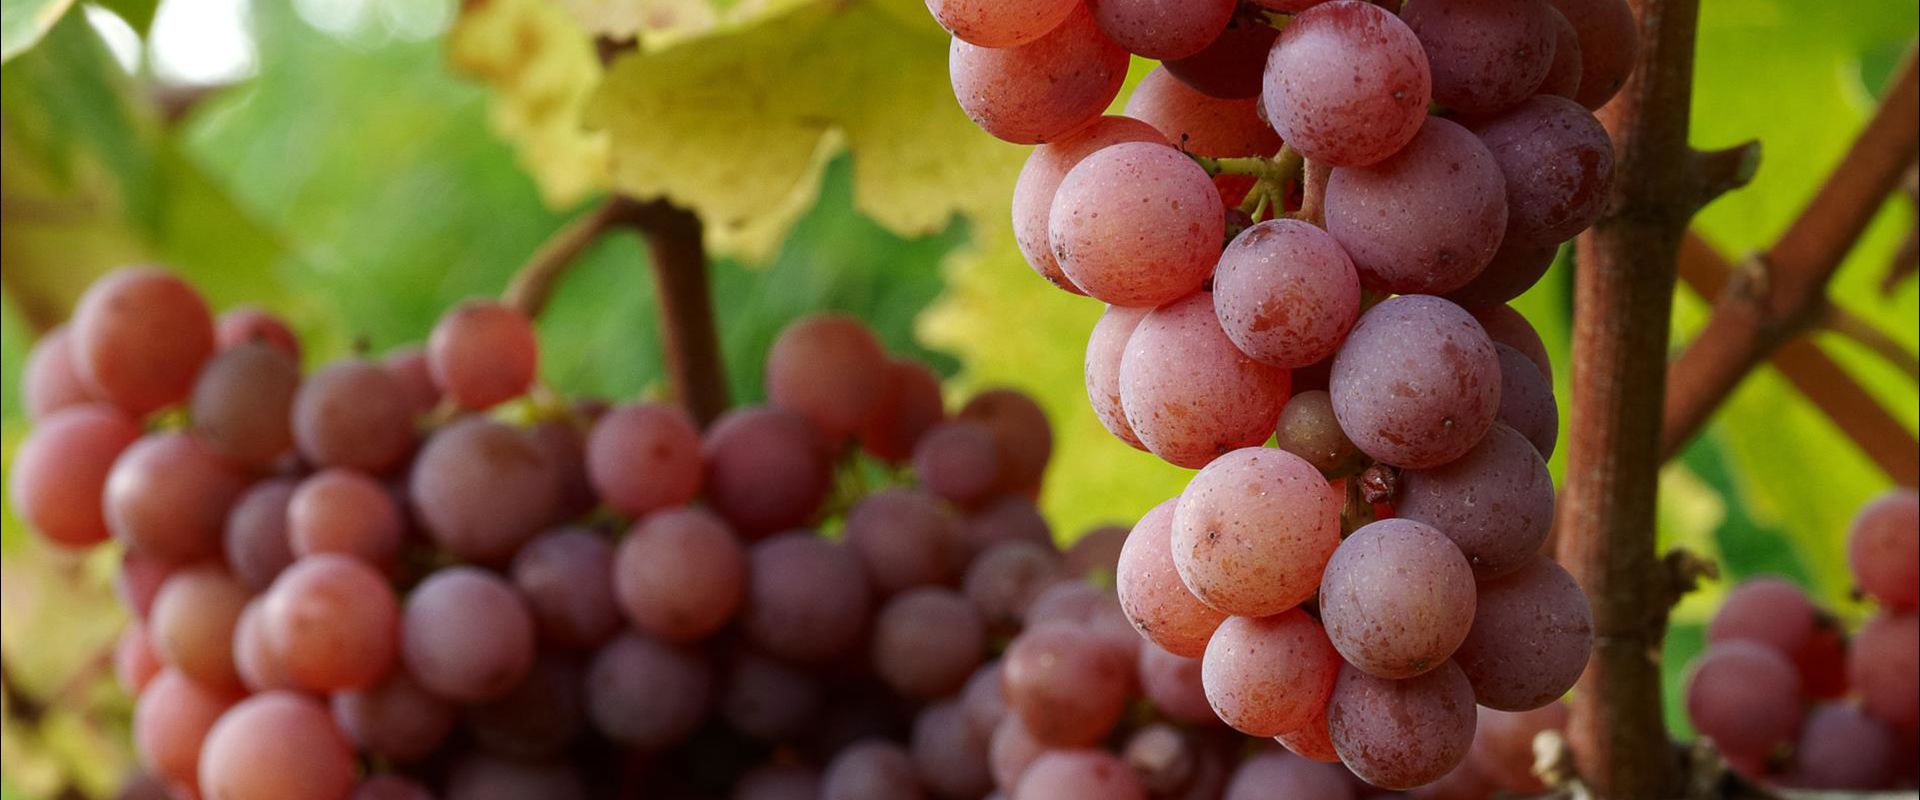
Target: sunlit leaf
[{"x": 23, "y": 22}]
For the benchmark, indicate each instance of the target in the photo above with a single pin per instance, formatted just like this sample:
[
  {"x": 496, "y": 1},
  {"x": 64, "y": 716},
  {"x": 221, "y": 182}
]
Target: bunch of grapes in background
[
  {"x": 1789, "y": 698},
  {"x": 1306, "y": 227}
]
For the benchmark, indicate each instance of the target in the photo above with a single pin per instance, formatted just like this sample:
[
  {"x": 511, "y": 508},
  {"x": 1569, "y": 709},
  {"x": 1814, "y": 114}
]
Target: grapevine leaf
[{"x": 24, "y": 22}]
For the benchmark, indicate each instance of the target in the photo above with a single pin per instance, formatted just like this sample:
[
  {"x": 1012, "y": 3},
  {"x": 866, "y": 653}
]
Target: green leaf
[
  {"x": 137, "y": 13},
  {"x": 23, "y": 22}
]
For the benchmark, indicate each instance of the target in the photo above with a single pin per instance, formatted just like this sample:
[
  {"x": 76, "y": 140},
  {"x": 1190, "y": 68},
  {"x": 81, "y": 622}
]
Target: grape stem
[{"x": 1279, "y": 170}]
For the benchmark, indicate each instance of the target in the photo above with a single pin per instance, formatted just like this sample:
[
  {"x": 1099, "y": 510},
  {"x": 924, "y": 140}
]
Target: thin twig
[
  {"x": 1840, "y": 321},
  {"x": 688, "y": 332},
  {"x": 534, "y": 282}
]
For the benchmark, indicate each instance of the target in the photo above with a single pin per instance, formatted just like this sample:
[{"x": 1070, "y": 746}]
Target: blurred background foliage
[{"x": 359, "y": 165}]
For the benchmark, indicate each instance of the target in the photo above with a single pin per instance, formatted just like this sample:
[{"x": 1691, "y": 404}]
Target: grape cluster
[
  {"x": 1789, "y": 698},
  {"x": 1357, "y": 589}
]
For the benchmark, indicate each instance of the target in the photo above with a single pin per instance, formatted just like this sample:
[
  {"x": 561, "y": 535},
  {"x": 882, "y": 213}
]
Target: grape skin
[
  {"x": 680, "y": 575},
  {"x": 1426, "y": 220},
  {"x": 1039, "y": 182},
  {"x": 1136, "y": 224},
  {"x": 466, "y": 635},
  {"x": 1768, "y": 610},
  {"x": 276, "y": 746},
  {"x": 168, "y": 496},
  {"x": 61, "y": 471},
  {"x": 766, "y": 470},
  {"x": 1532, "y": 633},
  {"x": 1313, "y": 741},
  {"x": 927, "y": 642},
  {"x": 1417, "y": 383},
  {"x": 949, "y": 756},
  {"x": 1496, "y": 502},
  {"x": 1309, "y": 430},
  {"x": 483, "y": 353},
  {"x": 396, "y": 718},
  {"x": 1883, "y": 549},
  {"x": 354, "y": 414},
  {"x": 1078, "y": 775},
  {"x": 564, "y": 578},
  {"x": 1397, "y": 598},
  {"x": 1841, "y": 747},
  {"x": 902, "y": 537},
  {"x": 807, "y": 598},
  {"x": 538, "y": 718},
  {"x": 1253, "y": 532},
  {"x": 1173, "y": 685},
  {"x": 1744, "y": 697},
  {"x": 1068, "y": 686},
  {"x": 482, "y": 489},
  {"x": 1162, "y": 29},
  {"x": 1563, "y": 77},
  {"x": 170, "y": 725},
  {"x": 1609, "y": 45},
  {"x": 256, "y": 543},
  {"x": 1199, "y": 123},
  {"x": 341, "y": 511},
  {"x": 1270, "y": 675},
  {"x": 645, "y": 693},
  {"x": 644, "y": 457},
  {"x": 135, "y": 662},
  {"x": 778, "y": 782},
  {"x": 1286, "y": 293},
  {"x": 912, "y": 406},
  {"x": 767, "y": 700},
  {"x": 871, "y": 770},
  {"x": 1158, "y": 604},
  {"x": 1042, "y": 90},
  {"x": 1402, "y": 734},
  {"x": 193, "y": 622},
  {"x": 1008, "y": 518},
  {"x": 390, "y": 787},
  {"x": 1106, "y": 349},
  {"x": 487, "y": 777},
  {"x": 1506, "y": 326},
  {"x": 830, "y": 369},
  {"x": 49, "y": 381},
  {"x": 242, "y": 404},
  {"x": 1188, "y": 393},
  {"x": 1005, "y": 579},
  {"x": 1277, "y": 776},
  {"x": 1486, "y": 55},
  {"x": 995, "y": 24},
  {"x": 1527, "y": 404},
  {"x": 1022, "y": 438},
  {"x": 1515, "y": 268},
  {"x": 1884, "y": 665},
  {"x": 1347, "y": 83},
  {"x": 983, "y": 701},
  {"x": 959, "y": 461},
  {"x": 334, "y": 622},
  {"x": 1231, "y": 66},
  {"x": 1558, "y": 163},
  {"x": 139, "y": 337},
  {"x": 1011, "y": 750},
  {"x": 254, "y": 325},
  {"x": 257, "y": 659}
]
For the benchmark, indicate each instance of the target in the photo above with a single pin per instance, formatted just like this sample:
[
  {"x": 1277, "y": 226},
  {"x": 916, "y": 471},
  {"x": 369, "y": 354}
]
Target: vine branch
[{"x": 533, "y": 284}]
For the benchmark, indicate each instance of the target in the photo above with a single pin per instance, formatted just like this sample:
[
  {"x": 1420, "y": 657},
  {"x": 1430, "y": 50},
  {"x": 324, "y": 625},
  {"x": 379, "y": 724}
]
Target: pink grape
[
  {"x": 140, "y": 335},
  {"x": 1402, "y": 734},
  {"x": 1496, "y": 502},
  {"x": 168, "y": 496},
  {"x": 1162, "y": 29},
  {"x": 1011, "y": 750},
  {"x": 1417, "y": 383},
  {"x": 1022, "y": 438},
  {"x": 407, "y": 366},
  {"x": 1269, "y": 675},
  {"x": 1008, "y": 518},
  {"x": 256, "y": 544},
  {"x": 1515, "y": 268},
  {"x": 1097, "y": 552},
  {"x": 1558, "y": 164},
  {"x": 1199, "y": 123},
  {"x": 1313, "y": 742},
  {"x": 644, "y": 457},
  {"x": 193, "y": 623},
  {"x": 1039, "y": 182},
  {"x": 342, "y": 511},
  {"x": 1563, "y": 77},
  {"x": 466, "y": 635},
  {"x": 872, "y": 768},
  {"x": 170, "y": 724},
  {"x": 778, "y": 782},
  {"x": 767, "y": 700},
  {"x": 257, "y": 658},
  {"x": 645, "y": 693},
  {"x": 483, "y": 353},
  {"x": 1173, "y": 685},
  {"x": 1231, "y": 66},
  {"x": 1004, "y": 580},
  {"x": 1068, "y": 686},
  {"x": 982, "y": 699},
  {"x": 1768, "y": 610},
  {"x": 1487, "y": 55},
  {"x": 1503, "y": 745},
  {"x": 1397, "y": 599},
  {"x": 538, "y": 718},
  {"x": 1278, "y": 776},
  {"x": 1744, "y": 697},
  {"x": 333, "y": 621},
  {"x": 1078, "y": 775},
  {"x": 1136, "y": 224},
  {"x": 912, "y": 405},
  {"x": 49, "y": 381},
  {"x": 276, "y": 746},
  {"x": 903, "y": 537},
  {"x": 1506, "y": 326},
  {"x": 242, "y": 404},
  {"x": 481, "y": 489},
  {"x": 396, "y": 718},
  {"x": 1106, "y": 348},
  {"x": 1188, "y": 393},
  {"x": 991, "y": 23},
  {"x": 1883, "y": 549},
  {"x": 1044, "y": 89},
  {"x": 390, "y": 787},
  {"x": 1253, "y": 532},
  {"x": 1161, "y": 607},
  {"x": 1841, "y": 747},
  {"x": 1532, "y": 633},
  {"x": 1308, "y": 429},
  {"x": 254, "y": 325},
  {"x": 766, "y": 470},
  {"x": 1286, "y": 293},
  {"x": 1884, "y": 666},
  {"x": 354, "y": 414},
  {"x": 926, "y": 642},
  {"x": 1425, "y": 220},
  {"x": 949, "y": 756},
  {"x": 1609, "y": 43},
  {"x": 829, "y": 368},
  {"x": 1526, "y": 401},
  {"x": 807, "y": 598},
  {"x": 135, "y": 662},
  {"x": 564, "y": 578},
  {"x": 1347, "y": 83},
  {"x": 60, "y": 473},
  {"x": 959, "y": 461}
]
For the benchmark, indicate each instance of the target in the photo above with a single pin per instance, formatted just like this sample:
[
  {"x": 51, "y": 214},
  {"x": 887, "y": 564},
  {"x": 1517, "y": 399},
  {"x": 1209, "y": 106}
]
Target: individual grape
[
  {"x": 1309, "y": 430},
  {"x": 1884, "y": 666},
  {"x": 644, "y": 457},
  {"x": 539, "y": 717},
  {"x": 911, "y": 405},
  {"x": 276, "y": 746},
  {"x": 958, "y": 460},
  {"x": 1744, "y": 697},
  {"x": 354, "y": 414},
  {"x": 1039, "y": 182},
  {"x": 1162, "y": 758},
  {"x": 1558, "y": 164},
  {"x": 59, "y": 474},
  {"x": 242, "y": 325},
  {"x": 257, "y": 658},
  {"x": 167, "y": 495},
  {"x": 1609, "y": 44},
  {"x": 1011, "y": 750},
  {"x": 645, "y": 693},
  {"x": 1199, "y": 123},
  {"x": 807, "y": 598},
  {"x": 830, "y": 369},
  {"x": 1004, "y": 580},
  {"x": 49, "y": 380},
  {"x": 1253, "y": 531},
  {"x": 390, "y": 787},
  {"x": 871, "y": 770},
  {"x": 1515, "y": 268},
  {"x": 1402, "y": 734},
  {"x": 466, "y": 635},
  {"x": 396, "y": 718},
  {"x": 1883, "y": 549},
  {"x": 1417, "y": 383},
  {"x": 988, "y": 23},
  {"x": 1496, "y": 502},
  {"x": 1090, "y": 608},
  {"x": 1043, "y": 90},
  {"x": 193, "y": 621},
  {"x": 1136, "y": 224},
  {"x": 1189, "y": 393},
  {"x": 1269, "y": 675},
  {"x": 1465, "y": 782},
  {"x": 1563, "y": 77},
  {"x": 766, "y": 470},
  {"x": 140, "y": 335},
  {"x": 768, "y": 700},
  {"x": 949, "y": 756},
  {"x": 407, "y": 366},
  {"x": 1022, "y": 439},
  {"x": 678, "y": 575},
  {"x": 1486, "y": 55},
  {"x": 483, "y": 353},
  {"x": 170, "y": 723},
  {"x": 342, "y": 511},
  {"x": 1841, "y": 748},
  {"x": 1096, "y": 554},
  {"x": 1312, "y": 741},
  {"x": 1278, "y": 776},
  {"x": 778, "y": 782},
  {"x": 1822, "y": 660},
  {"x": 1068, "y": 686},
  {"x": 1527, "y": 404},
  {"x": 1230, "y": 67},
  {"x": 1106, "y": 348},
  {"x": 1506, "y": 326},
  {"x": 1397, "y": 598},
  {"x": 1286, "y": 293},
  {"x": 1347, "y": 83},
  {"x": 486, "y": 777},
  {"x": 564, "y": 578},
  {"x": 902, "y": 537},
  {"x": 334, "y": 622},
  {"x": 927, "y": 641},
  {"x": 1532, "y": 632},
  {"x": 134, "y": 660},
  {"x": 1162, "y": 29},
  {"x": 256, "y": 541},
  {"x": 481, "y": 489},
  {"x": 1768, "y": 610},
  {"x": 1426, "y": 220},
  {"x": 242, "y": 404},
  {"x": 1503, "y": 745},
  {"x": 1008, "y": 518},
  {"x": 1078, "y": 775},
  {"x": 138, "y": 580},
  {"x": 1158, "y": 604},
  {"x": 1172, "y": 684}
]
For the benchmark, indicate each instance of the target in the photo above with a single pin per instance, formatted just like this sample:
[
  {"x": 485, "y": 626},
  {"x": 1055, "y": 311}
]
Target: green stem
[{"x": 1278, "y": 170}]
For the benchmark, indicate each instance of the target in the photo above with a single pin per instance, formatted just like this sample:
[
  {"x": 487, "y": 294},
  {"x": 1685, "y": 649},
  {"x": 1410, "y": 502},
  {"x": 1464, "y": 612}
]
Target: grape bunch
[
  {"x": 1306, "y": 226},
  {"x": 1789, "y": 698}
]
